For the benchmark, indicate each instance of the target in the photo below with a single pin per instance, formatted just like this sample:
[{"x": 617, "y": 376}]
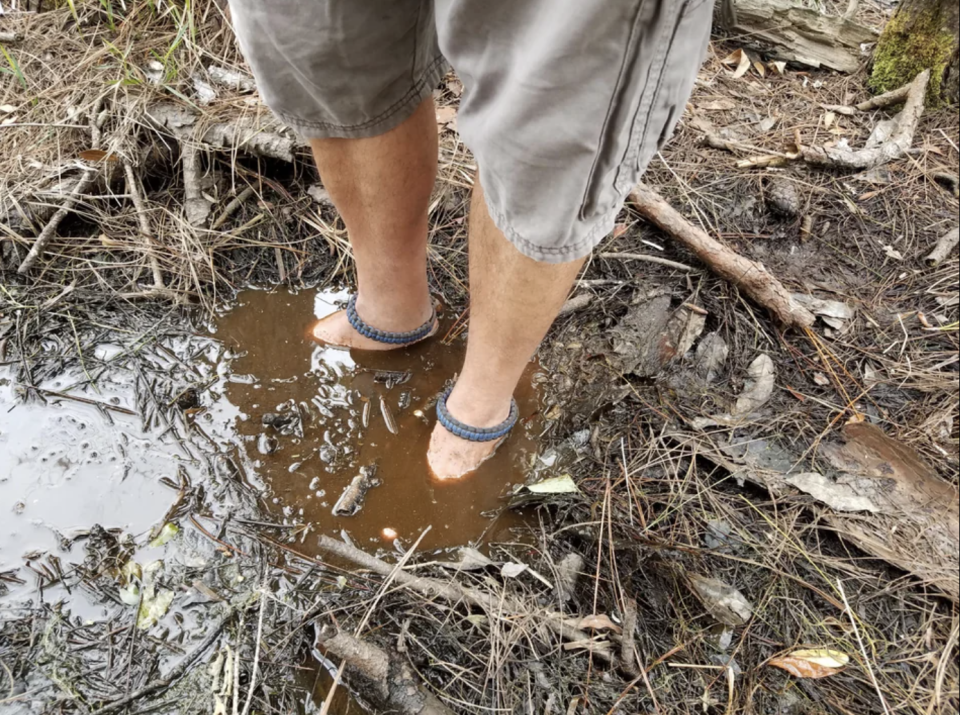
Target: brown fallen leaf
[
  {"x": 599, "y": 623},
  {"x": 812, "y": 664},
  {"x": 97, "y": 155},
  {"x": 619, "y": 230},
  {"x": 739, "y": 59},
  {"x": 717, "y": 105}
]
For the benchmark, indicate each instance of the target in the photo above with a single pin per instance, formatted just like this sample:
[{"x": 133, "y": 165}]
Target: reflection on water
[{"x": 313, "y": 417}]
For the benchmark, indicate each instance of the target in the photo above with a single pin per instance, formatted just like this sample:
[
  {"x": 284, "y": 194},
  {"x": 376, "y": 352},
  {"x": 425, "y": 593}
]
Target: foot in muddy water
[
  {"x": 336, "y": 331},
  {"x": 451, "y": 457}
]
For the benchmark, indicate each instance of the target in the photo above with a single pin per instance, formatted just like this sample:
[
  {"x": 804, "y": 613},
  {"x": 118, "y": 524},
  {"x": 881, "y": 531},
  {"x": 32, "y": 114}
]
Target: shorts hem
[
  {"x": 574, "y": 251},
  {"x": 393, "y": 117}
]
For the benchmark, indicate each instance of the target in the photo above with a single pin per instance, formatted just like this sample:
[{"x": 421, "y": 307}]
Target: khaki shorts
[{"x": 565, "y": 101}]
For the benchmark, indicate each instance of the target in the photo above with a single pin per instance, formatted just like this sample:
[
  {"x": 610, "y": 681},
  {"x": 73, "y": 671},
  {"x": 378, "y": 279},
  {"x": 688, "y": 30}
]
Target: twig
[
  {"x": 40, "y": 244},
  {"x": 182, "y": 667},
  {"x": 133, "y": 188},
  {"x": 231, "y": 208},
  {"x": 628, "y": 654},
  {"x": 256, "y": 657},
  {"x": 86, "y": 401},
  {"x": 648, "y": 259},
  {"x": 578, "y": 302},
  {"x": 10, "y": 37},
  {"x": 944, "y": 246},
  {"x": 863, "y": 649},
  {"x": 748, "y": 275}
]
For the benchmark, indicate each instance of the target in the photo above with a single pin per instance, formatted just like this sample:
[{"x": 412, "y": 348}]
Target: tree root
[{"x": 749, "y": 276}]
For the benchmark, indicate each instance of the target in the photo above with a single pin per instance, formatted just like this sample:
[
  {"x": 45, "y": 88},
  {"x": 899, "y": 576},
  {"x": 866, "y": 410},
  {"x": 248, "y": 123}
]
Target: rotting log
[
  {"x": 799, "y": 34},
  {"x": 751, "y": 277},
  {"x": 922, "y": 35}
]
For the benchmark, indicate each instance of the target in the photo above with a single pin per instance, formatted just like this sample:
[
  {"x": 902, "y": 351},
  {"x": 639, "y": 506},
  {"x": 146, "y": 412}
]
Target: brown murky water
[{"x": 329, "y": 424}]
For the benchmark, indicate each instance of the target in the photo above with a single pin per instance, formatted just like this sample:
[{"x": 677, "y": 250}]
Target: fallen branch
[
  {"x": 246, "y": 134},
  {"x": 494, "y": 606},
  {"x": 749, "y": 276},
  {"x": 389, "y": 679},
  {"x": 10, "y": 37},
  {"x": 892, "y": 149},
  {"x": 133, "y": 188},
  {"x": 40, "y": 244},
  {"x": 944, "y": 246},
  {"x": 232, "y": 207}
]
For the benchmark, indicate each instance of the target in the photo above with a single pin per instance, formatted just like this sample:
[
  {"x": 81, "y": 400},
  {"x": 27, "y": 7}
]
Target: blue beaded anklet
[
  {"x": 475, "y": 434},
  {"x": 383, "y": 336}
]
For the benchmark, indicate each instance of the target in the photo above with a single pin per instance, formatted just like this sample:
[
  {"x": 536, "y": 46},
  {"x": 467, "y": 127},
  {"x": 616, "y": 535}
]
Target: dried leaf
[
  {"x": 512, "y": 570},
  {"x": 823, "y": 656},
  {"x": 724, "y": 602},
  {"x": 760, "y": 68},
  {"x": 619, "y": 230},
  {"x": 812, "y": 664},
  {"x": 558, "y": 485},
  {"x": 828, "y": 119},
  {"x": 780, "y": 67},
  {"x": 7, "y": 108},
  {"x": 167, "y": 532},
  {"x": 599, "y": 623},
  {"x": 893, "y": 253},
  {"x": 153, "y": 607},
  {"x": 97, "y": 155},
  {"x": 741, "y": 60},
  {"x": 761, "y": 380}
]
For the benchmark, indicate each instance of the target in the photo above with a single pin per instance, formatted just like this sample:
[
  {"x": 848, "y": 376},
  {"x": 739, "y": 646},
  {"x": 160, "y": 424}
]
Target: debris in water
[
  {"x": 278, "y": 421},
  {"x": 351, "y": 501},
  {"x": 389, "y": 534},
  {"x": 388, "y": 417},
  {"x": 267, "y": 444},
  {"x": 392, "y": 378},
  {"x": 366, "y": 414}
]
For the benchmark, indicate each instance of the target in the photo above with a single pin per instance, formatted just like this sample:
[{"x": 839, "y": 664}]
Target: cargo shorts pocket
[
  {"x": 662, "y": 56},
  {"x": 681, "y": 52}
]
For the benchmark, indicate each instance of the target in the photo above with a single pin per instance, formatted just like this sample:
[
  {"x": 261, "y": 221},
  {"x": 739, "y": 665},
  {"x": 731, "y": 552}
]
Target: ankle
[
  {"x": 478, "y": 407},
  {"x": 395, "y": 312}
]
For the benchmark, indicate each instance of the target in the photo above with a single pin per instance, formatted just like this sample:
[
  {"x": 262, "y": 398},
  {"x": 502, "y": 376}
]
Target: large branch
[
  {"x": 751, "y": 277},
  {"x": 894, "y": 148}
]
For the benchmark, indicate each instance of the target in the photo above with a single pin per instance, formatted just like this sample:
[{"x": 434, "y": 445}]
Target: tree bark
[{"x": 922, "y": 35}]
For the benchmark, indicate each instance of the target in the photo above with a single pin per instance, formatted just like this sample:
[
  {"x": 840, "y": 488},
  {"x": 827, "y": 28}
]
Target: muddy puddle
[
  {"x": 295, "y": 420},
  {"x": 312, "y": 419}
]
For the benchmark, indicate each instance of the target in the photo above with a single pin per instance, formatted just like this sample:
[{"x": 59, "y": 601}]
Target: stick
[
  {"x": 133, "y": 188},
  {"x": 945, "y": 245},
  {"x": 648, "y": 259},
  {"x": 10, "y": 37},
  {"x": 894, "y": 148},
  {"x": 749, "y": 276},
  {"x": 566, "y": 628},
  {"x": 182, "y": 667},
  {"x": 627, "y": 646},
  {"x": 46, "y": 235},
  {"x": 232, "y": 207},
  {"x": 256, "y": 657}
]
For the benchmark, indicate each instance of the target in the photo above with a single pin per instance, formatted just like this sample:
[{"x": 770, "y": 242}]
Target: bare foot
[
  {"x": 335, "y": 330},
  {"x": 450, "y": 457}
]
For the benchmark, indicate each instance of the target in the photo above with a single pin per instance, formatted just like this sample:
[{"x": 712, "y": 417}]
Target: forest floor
[{"x": 713, "y": 510}]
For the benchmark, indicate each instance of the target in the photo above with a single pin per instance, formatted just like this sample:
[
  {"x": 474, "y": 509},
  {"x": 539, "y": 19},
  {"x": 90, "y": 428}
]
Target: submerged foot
[
  {"x": 452, "y": 457},
  {"x": 336, "y": 330}
]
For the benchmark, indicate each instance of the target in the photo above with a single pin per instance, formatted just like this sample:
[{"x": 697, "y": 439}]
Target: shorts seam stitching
[
  {"x": 591, "y": 239},
  {"x": 395, "y": 108}
]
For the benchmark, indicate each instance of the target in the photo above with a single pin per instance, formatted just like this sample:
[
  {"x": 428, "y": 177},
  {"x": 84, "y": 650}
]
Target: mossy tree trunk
[{"x": 922, "y": 35}]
